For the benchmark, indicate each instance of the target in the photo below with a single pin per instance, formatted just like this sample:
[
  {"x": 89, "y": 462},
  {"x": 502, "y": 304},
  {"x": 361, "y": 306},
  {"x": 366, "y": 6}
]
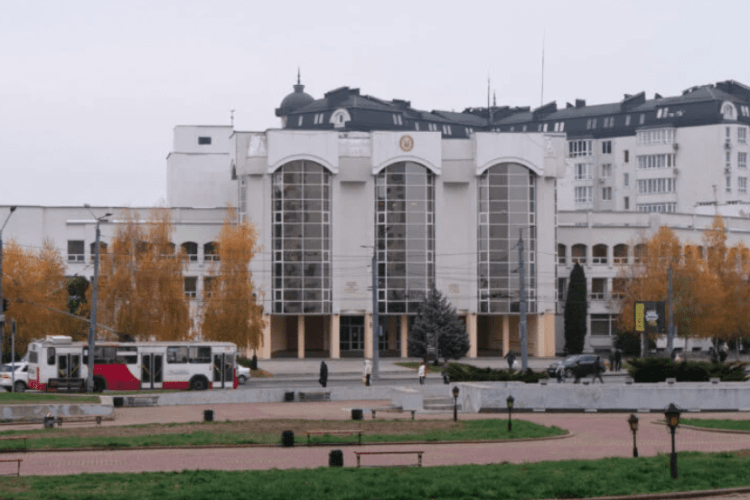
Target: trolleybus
[{"x": 57, "y": 362}]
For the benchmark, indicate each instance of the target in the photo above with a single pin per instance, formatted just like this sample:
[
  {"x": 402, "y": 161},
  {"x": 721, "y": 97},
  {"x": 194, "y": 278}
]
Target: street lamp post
[
  {"x": 633, "y": 422},
  {"x": 2, "y": 313},
  {"x": 455, "y": 403},
  {"x": 94, "y": 296},
  {"x": 672, "y": 415},
  {"x": 510, "y": 402}
]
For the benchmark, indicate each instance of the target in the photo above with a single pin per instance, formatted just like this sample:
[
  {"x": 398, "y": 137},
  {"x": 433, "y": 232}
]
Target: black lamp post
[
  {"x": 633, "y": 422},
  {"x": 455, "y": 403},
  {"x": 510, "y": 402},
  {"x": 672, "y": 414}
]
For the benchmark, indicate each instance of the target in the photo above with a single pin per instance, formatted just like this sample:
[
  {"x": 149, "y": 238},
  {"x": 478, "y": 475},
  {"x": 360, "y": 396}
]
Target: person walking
[
  {"x": 421, "y": 372},
  {"x": 560, "y": 373},
  {"x": 323, "y": 374},
  {"x": 367, "y": 373},
  {"x": 598, "y": 369},
  {"x": 618, "y": 359},
  {"x": 510, "y": 357},
  {"x": 444, "y": 373}
]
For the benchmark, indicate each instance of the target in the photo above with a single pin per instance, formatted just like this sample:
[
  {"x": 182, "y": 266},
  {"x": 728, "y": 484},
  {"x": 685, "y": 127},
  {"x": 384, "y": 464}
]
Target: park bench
[
  {"x": 18, "y": 461},
  {"x": 80, "y": 419},
  {"x": 417, "y": 453},
  {"x": 348, "y": 432},
  {"x": 14, "y": 438},
  {"x": 314, "y": 396},
  {"x": 391, "y": 409}
]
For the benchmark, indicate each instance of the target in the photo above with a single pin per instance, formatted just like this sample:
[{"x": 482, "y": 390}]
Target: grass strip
[
  {"x": 44, "y": 398},
  {"x": 733, "y": 425},
  {"x": 563, "y": 479},
  {"x": 210, "y": 434}
]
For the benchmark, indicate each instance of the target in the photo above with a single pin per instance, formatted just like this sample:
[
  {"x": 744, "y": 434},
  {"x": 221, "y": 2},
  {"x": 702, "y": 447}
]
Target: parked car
[
  {"x": 21, "y": 376},
  {"x": 584, "y": 365},
  {"x": 243, "y": 374}
]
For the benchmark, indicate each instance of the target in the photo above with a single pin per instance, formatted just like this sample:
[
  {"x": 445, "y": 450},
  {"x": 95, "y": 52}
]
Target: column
[
  {"x": 265, "y": 348},
  {"x": 404, "y": 332},
  {"x": 471, "y": 329},
  {"x": 335, "y": 328},
  {"x": 506, "y": 334},
  {"x": 368, "y": 335},
  {"x": 301, "y": 337}
]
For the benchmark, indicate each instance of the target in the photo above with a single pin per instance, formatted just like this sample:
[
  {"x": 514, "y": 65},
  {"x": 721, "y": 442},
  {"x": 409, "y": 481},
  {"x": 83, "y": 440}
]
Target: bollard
[
  {"x": 336, "y": 458},
  {"x": 49, "y": 422},
  {"x": 356, "y": 414},
  {"x": 118, "y": 401},
  {"x": 288, "y": 396},
  {"x": 287, "y": 438},
  {"x": 208, "y": 415}
]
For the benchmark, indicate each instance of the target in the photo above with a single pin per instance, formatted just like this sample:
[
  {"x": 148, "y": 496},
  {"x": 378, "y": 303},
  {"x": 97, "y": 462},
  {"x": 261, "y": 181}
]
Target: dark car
[
  {"x": 584, "y": 365},
  {"x": 567, "y": 362}
]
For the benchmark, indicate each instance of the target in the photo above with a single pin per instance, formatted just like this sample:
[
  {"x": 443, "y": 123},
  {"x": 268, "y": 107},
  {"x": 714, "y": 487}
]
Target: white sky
[{"x": 91, "y": 90}]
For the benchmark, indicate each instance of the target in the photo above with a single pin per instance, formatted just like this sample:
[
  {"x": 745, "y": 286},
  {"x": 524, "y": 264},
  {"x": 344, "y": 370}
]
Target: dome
[{"x": 294, "y": 101}]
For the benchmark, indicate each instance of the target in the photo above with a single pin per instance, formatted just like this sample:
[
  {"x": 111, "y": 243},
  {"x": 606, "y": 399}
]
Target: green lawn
[
  {"x": 564, "y": 479},
  {"x": 43, "y": 398},
  {"x": 734, "y": 425}
]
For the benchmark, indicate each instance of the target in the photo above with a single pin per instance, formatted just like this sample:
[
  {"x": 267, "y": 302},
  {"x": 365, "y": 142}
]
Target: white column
[
  {"x": 368, "y": 336},
  {"x": 265, "y": 349},
  {"x": 335, "y": 336},
  {"x": 301, "y": 337},
  {"x": 404, "y": 332},
  {"x": 471, "y": 329}
]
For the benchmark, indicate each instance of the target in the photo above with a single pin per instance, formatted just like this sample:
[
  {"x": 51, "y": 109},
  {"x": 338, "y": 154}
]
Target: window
[
  {"x": 599, "y": 254},
  {"x": 210, "y": 252},
  {"x": 580, "y": 148},
  {"x": 656, "y": 186},
  {"x": 607, "y": 170},
  {"x": 578, "y": 254},
  {"x": 657, "y": 207},
  {"x": 591, "y": 124},
  {"x": 561, "y": 253},
  {"x": 606, "y": 193},
  {"x": 626, "y": 156},
  {"x": 655, "y": 136},
  {"x": 626, "y": 179},
  {"x": 583, "y": 194},
  {"x": 603, "y": 325},
  {"x": 204, "y": 141},
  {"x": 656, "y": 161},
  {"x": 607, "y": 147},
  {"x": 728, "y": 111},
  {"x": 191, "y": 287},
  {"x": 598, "y": 287},
  {"x": 620, "y": 254},
  {"x": 627, "y": 120},
  {"x": 642, "y": 119},
  {"x": 742, "y": 185},
  {"x": 559, "y": 127},
  {"x": 729, "y": 133},
  {"x": 618, "y": 288},
  {"x": 562, "y": 288},
  {"x": 583, "y": 171},
  {"x": 208, "y": 286},
  {"x": 609, "y": 122},
  {"x": 729, "y": 183},
  {"x": 51, "y": 356},
  {"x": 626, "y": 203},
  {"x": 75, "y": 251},
  {"x": 741, "y": 160},
  {"x": 177, "y": 354},
  {"x": 200, "y": 355},
  {"x": 191, "y": 250},
  {"x": 742, "y": 134}
]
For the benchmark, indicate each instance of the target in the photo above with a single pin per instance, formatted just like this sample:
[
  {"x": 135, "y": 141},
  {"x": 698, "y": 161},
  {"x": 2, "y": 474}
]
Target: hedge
[
  {"x": 660, "y": 369},
  {"x": 460, "y": 372}
]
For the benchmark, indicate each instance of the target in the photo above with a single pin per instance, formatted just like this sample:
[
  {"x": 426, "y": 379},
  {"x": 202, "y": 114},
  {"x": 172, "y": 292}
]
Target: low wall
[
  {"x": 37, "y": 412},
  {"x": 696, "y": 396},
  {"x": 269, "y": 395}
]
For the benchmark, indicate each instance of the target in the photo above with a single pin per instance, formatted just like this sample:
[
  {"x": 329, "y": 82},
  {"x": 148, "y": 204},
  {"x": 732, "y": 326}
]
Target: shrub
[
  {"x": 659, "y": 369},
  {"x": 460, "y": 372}
]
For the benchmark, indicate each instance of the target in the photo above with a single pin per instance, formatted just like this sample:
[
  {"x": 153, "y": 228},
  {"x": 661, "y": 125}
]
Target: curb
[{"x": 676, "y": 494}]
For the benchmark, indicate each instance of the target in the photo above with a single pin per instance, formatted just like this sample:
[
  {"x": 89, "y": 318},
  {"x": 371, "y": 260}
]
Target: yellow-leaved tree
[
  {"x": 230, "y": 310},
  {"x": 141, "y": 280},
  {"x": 34, "y": 283}
]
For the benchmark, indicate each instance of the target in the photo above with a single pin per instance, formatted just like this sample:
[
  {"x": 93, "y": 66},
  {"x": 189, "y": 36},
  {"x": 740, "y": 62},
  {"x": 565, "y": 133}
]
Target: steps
[{"x": 438, "y": 403}]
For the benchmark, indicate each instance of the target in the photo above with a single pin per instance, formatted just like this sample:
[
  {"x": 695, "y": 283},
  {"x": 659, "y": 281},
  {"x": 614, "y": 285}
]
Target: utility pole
[
  {"x": 2, "y": 313},
  {"x": 94, "y": 296},
  {"x": 522, "y": 326},
  {"x": 13, "y": 355},
  {"x": 670, "y": 315},
  {"x": 375, "y": 322}
]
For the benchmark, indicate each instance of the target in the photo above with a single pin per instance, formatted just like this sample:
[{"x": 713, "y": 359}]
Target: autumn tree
[
  {"x": 34, "y": 283},
  {"x": 141, "y": 280},
  {"x": 230, "y": 311},
  {"x": 576, "y": 306}
]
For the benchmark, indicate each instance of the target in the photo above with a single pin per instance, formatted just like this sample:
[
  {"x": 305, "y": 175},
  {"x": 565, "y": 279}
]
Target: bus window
[
  {"x": 200, "y": 355},
  {"x": 177, "y": 354},
  {"x": 127, "y": 355},
  {"x": 51, "y": 356},
  {"x": 33, "y": 357}
]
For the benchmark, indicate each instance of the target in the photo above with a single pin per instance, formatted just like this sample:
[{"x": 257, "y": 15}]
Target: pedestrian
[
  {"x": 367, "y": 373},
  {"x": 421, "y": 372},
  {"x": 598, "y": 369},
  {"x": 723, "y": 352},
  {"x": 713, "y": 355},
  {"x": 444, "y": 373},
  {"x": 611, "y": 359},
  {"x": 323, "y": 374},
  {"x": 560, "y": 372},
  {"x": 510, "y": 357},
  {"x": 618, "y": 359}
]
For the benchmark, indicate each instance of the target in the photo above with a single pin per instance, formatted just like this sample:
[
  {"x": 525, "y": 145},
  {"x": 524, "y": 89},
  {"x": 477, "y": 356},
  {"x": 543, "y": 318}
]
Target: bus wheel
[
  {"x": 99, "y": 384},
  {"x": 19, "y": 386},
  {"x": 199, "y": 384}
]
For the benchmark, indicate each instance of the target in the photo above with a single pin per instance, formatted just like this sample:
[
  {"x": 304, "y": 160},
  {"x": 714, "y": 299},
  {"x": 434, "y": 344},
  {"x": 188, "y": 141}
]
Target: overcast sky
[{"x": 91, "y": 90}]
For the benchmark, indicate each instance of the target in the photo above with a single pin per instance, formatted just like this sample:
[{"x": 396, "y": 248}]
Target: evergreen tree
[
  {"x": 575, "y": 311},
  {"x": 438, "y": 318}
]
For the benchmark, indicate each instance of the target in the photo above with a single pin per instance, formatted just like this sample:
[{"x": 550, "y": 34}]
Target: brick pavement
[{"x": 594, "y": 436}]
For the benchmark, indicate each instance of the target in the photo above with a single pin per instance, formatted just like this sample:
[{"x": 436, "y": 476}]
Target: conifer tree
[
  {"x": 575, "y": 311},
  {"x": 437, "y": 320}
]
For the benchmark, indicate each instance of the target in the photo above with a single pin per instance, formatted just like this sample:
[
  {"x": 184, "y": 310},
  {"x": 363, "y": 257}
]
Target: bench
[
  {"x": 17, "y": 460},
  {"x": 314, "y": 396},
  {"x": 335, "y": 433},
  {"x": 417, "y": 453},
  {"x": 68, "y": 384},
  {"x": 79, "y": 419},
  {"x": 390, "y": 409},
  {"x": 14, "y": 438}
]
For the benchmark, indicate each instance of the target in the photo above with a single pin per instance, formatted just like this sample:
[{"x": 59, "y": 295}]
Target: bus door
[
  {"x": 69, "y": 365},
  {"x": 152, "y": 370},
  {"x": 223, "y": 371}
]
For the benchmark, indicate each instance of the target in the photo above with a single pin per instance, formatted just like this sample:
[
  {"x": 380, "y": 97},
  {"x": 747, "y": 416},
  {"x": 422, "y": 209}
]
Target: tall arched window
[
  {"x": 507, "y": 208},
  {"x": 301, "y": 238},
  {"x": 405, "y": 236}
]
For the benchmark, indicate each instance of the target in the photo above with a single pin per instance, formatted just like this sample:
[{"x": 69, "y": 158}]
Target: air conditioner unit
[
  {"x": 675, "y": 146},
  {"x": 727, "y": 171},
  {"x": 676, "y": 171},
  {"x": 727, "y": 145}
]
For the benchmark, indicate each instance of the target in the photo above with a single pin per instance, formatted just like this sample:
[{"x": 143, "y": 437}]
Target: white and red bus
[{"x": 57, "y": 362}]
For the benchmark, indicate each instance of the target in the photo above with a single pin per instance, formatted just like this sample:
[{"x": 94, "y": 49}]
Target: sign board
[{"x": 650, "y": 317}]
